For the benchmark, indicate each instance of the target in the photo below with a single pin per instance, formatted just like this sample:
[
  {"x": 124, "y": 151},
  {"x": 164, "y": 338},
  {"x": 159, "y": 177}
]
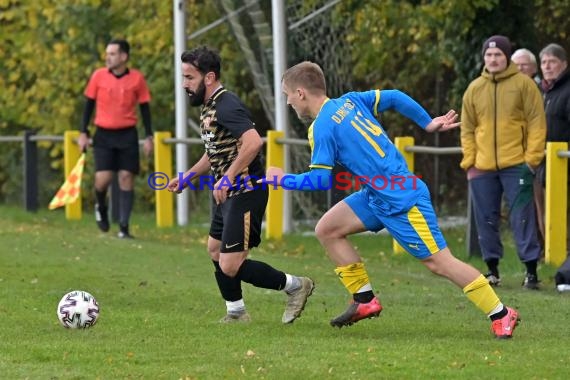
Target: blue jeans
[{"x": 487, "y": 189}]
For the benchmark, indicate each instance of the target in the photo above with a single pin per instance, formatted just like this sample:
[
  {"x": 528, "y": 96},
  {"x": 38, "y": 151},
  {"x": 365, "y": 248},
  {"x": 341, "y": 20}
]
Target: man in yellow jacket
[{"x": 503, "y": 135}]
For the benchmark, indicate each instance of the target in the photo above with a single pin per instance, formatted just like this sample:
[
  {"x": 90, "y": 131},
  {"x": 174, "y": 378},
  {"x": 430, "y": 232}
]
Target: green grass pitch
[{"x": 160, "y": 309}]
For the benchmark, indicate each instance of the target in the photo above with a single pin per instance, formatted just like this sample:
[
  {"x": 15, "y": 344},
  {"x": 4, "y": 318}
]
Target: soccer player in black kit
[{"x": 232, "y": 147}]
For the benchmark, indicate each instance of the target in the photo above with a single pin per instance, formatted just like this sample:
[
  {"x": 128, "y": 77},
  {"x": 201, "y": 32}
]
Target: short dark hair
[
  {"x": 124, "y": 46},
  {"x": 204, "y": 59}
]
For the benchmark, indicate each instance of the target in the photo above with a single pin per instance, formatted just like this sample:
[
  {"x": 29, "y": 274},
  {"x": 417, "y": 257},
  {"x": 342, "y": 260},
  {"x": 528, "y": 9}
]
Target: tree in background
[
  {"x": 50, "y": 48},
  {"x": 430, "y": 49}
]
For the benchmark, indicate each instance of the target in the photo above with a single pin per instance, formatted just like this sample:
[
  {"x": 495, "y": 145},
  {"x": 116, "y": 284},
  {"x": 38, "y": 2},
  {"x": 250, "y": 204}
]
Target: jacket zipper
[{"x": 495, "y": 124}]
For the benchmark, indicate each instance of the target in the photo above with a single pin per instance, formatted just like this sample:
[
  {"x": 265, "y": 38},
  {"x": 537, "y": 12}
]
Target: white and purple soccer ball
[{"x": 78, "y": 310}]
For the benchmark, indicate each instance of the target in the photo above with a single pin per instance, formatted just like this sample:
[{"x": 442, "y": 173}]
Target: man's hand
[
  {"x": 173, "y": 185},
  {"x": 274, "y": 175},
  {"x": 83, "y": 142},
  {"x": 221, "y": 189},
  {"x": 148, "y": 146},
  {"x": 444, "y": 123}
]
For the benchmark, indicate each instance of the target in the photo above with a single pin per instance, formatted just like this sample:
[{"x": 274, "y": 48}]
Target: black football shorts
[
  {"x": 116, "y": 149},
  {"x": 237, "y": 221}
]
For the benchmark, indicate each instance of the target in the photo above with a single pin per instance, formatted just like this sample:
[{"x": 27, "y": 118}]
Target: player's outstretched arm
[
  {"x": 313, "y": 180},
  {"x": 274, "y": 175},
  {"x": 199, "y": 168},
  {"x": 444, "y": 123}
]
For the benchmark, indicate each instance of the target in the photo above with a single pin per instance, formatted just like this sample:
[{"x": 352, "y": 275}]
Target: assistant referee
[{"x": 113, "y": 92}]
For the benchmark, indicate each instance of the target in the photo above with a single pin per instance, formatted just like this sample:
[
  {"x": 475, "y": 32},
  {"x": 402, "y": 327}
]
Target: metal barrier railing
[{"x": 557, "y": 155}]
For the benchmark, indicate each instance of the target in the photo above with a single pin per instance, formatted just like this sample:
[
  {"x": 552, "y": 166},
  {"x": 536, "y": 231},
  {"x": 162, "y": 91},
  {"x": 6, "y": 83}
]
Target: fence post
[
  {"x": 556, "y": 204},
  {"x": 163, "y": 164},
  {"x": 401, "y": 143},
  {"x": 71, "y": 154},
  {"x": 30, "y": 172},
  {"x": 274, "y": 214}
]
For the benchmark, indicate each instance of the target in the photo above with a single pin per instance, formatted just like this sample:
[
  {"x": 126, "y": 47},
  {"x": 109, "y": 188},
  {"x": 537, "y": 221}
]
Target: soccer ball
[{"x": 78, "y": 310}]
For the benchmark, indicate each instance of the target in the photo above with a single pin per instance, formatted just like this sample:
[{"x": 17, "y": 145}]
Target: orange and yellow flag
[{"x": 71, "y": 188}]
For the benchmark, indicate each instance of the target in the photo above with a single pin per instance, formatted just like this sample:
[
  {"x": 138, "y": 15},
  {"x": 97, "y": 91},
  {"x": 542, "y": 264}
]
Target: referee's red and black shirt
[{"x": 116, "y": 98}]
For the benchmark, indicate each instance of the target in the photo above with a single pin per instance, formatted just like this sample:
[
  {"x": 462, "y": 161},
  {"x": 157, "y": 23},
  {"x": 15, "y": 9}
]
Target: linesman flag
[{"x": 71, "y": 188}]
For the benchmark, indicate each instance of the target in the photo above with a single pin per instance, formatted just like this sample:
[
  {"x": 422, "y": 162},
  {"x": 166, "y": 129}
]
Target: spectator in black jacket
[{"x": 556, "y": 88}]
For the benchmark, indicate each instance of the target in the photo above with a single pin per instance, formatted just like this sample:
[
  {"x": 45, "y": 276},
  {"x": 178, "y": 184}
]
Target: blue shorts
[{"x": 416, "y": 230}]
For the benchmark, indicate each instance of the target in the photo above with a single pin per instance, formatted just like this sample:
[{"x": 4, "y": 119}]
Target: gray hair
[
  {"x": 555, "y": 50},
  {"x": 522, "y": 52}
]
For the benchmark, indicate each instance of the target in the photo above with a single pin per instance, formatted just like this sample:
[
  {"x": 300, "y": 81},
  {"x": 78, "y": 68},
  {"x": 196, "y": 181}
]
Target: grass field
[{"x": 160, "y": 309}]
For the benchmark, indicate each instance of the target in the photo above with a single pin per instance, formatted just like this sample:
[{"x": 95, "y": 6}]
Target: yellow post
[
  {"x": 163, "y": 168},
  {"x": 71, "y": 154},
  {"x": 401, "y": 143},
  {"x": 556, "y": 203},
  {"x": 274, "y": 213}
]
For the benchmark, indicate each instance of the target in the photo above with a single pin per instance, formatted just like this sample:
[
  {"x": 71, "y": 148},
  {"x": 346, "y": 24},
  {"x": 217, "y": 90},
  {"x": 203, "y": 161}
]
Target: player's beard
[{"x": 197, "y": 98}]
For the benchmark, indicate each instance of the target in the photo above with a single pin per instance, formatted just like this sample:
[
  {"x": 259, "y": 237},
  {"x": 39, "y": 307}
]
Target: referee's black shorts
[
  {"x": 116, "y": 149},
  {"x": 237, "y": 221}
]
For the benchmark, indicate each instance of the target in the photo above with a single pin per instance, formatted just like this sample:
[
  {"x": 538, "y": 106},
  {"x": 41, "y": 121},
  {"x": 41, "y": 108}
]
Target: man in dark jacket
[{"x": 556, "y": 88}]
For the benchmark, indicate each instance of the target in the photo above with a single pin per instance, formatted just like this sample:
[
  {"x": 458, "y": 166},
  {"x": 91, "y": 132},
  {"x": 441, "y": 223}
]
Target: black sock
[
  {"x": 230, "y": 288},
  {"x": 363, "y": 297},
  {"x": 493, "y": 265},
  {"x": 499, "y": 315},
  {"x": 126, "y": 199},
  {"x": 261, "y": 275},
  {"x": 101, "y": 198},
  {"x": 531, "y": 267}
]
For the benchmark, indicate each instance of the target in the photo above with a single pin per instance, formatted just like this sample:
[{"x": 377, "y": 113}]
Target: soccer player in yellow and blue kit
[{"x": 346, "y": 131}]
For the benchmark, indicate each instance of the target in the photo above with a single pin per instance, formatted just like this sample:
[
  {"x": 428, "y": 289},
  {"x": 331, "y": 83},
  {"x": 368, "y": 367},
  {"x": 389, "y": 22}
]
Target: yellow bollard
[
  {"x": 556, "y": 204},
  {"x": 401, "y": 143},
  {"x": 71, "y": 154},
  {"x": 163, "y": 164},
  {"x": 274, "y": 213}
]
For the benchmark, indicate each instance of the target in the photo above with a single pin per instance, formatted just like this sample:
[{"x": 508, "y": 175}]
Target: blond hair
[{"x": 308, "y": 75}]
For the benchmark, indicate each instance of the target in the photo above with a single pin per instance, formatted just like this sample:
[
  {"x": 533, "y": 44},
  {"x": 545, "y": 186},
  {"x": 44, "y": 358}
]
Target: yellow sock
[
  {"x": 482, "y": 295},
  {"x": 353, "y": 277}
]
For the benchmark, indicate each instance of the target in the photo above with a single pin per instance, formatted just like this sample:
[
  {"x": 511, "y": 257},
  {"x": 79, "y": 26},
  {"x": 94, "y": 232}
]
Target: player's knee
[
  {"x": 318, "y": 231},
  {"x": 435, "y": 267},
  {"x": 230, "y": 269},
  {"x": 126, "y": 180},
  {"x": 103, "y": 180},
  {"x": 214, "y": 252},
  {"x": 322, "y": 232}
]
